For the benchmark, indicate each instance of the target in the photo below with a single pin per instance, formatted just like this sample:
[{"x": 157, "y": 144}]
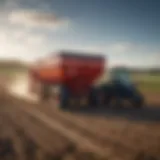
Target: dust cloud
[{"x": 19, "y": 88}]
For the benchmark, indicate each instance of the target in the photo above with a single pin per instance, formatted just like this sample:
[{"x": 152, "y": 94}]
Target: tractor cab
[
  {"x": 121, "y": 75},
  {"x": 120, "y": 88}
]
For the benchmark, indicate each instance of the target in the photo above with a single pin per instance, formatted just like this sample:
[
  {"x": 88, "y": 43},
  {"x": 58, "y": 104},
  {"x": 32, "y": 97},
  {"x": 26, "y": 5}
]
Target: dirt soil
[
  {"x": 24, "y": 138},
  {"x": 40, "y": 131},
  {"x": 152, "y": 98},
  {"x": 36, "y": 131}
]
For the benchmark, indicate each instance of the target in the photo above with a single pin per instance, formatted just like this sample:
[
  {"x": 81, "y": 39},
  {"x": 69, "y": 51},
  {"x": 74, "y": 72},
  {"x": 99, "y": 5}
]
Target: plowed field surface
[{"x": 41, "y": 131}]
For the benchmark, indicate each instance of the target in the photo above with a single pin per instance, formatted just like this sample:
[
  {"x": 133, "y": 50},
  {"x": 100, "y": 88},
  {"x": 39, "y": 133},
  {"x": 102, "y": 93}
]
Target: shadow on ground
[{"x": 143, "y": 114}]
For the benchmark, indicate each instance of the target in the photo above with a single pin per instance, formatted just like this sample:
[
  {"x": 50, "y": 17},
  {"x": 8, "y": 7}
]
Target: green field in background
[
  {"x": 149, "y": 83},
  {"x": 12, "y": 72},
  {"x": 145, "y": 82}
]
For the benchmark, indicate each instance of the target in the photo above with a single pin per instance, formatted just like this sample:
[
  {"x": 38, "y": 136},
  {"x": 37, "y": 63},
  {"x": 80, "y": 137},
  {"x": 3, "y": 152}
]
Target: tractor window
[{"x": 121, "y": 75}]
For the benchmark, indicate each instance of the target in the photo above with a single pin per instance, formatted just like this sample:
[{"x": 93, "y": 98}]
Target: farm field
[
  {"x": 79, "y": 80},
  {"x": 148, "y": 84},
  {"x": 42, "y": 132}
]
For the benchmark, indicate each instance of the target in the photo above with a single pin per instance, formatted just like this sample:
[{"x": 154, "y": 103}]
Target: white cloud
[
  {"x": 15, "y": 4},
  {"x": 36, "y": 19},
  {"x": 18, "y": 39},
  {"x": 120, "y": 48},
  {"x": 21, "y": 44},
  {"x": 17, "y": 26},
  {"x": 125, "y": 53},
  {"x": 9, "y": 4},
  {"x": 109, "y": 48}
]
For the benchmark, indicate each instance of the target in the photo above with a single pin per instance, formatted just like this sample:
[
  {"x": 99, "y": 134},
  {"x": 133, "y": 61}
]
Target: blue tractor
[{"x": 119, "y": 89}]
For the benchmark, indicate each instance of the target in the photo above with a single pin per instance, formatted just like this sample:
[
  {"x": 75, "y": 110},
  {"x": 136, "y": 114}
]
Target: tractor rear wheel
[
  {"x": 93, "y": 97},
  {"x": 138, "y": 102},
  {"x": 64, "y": 98}
]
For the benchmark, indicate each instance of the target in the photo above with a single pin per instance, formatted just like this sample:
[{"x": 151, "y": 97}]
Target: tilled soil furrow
[
  {"x": 80, "y": 135},
  {"x": 105, "y": 136},
  {"x": 86, "y": 130},
  {"x": 73, "y": 135},
  {"x": 17, "y": 144}
]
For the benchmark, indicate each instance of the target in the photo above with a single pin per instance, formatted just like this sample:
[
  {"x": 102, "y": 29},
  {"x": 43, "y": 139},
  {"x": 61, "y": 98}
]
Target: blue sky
[{"x": 126, "y": 31}]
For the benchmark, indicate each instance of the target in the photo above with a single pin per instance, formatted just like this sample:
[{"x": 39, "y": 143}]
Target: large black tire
[
  {"x": 64, "y": 98},
  {"x": 138, "y": 102},
  {"x": 107, "y": 95},
  {"x": 118, "y": 102},
  {"x": 108, "y": 98},
  {"x": 114, "y": 96},
  {"x": 93, "y": 97}
]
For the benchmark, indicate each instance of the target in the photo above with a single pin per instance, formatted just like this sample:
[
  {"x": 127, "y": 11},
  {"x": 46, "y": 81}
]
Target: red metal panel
[
  {"x": 80, "y": 73},
  {"x": 75, "y": 71}
]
